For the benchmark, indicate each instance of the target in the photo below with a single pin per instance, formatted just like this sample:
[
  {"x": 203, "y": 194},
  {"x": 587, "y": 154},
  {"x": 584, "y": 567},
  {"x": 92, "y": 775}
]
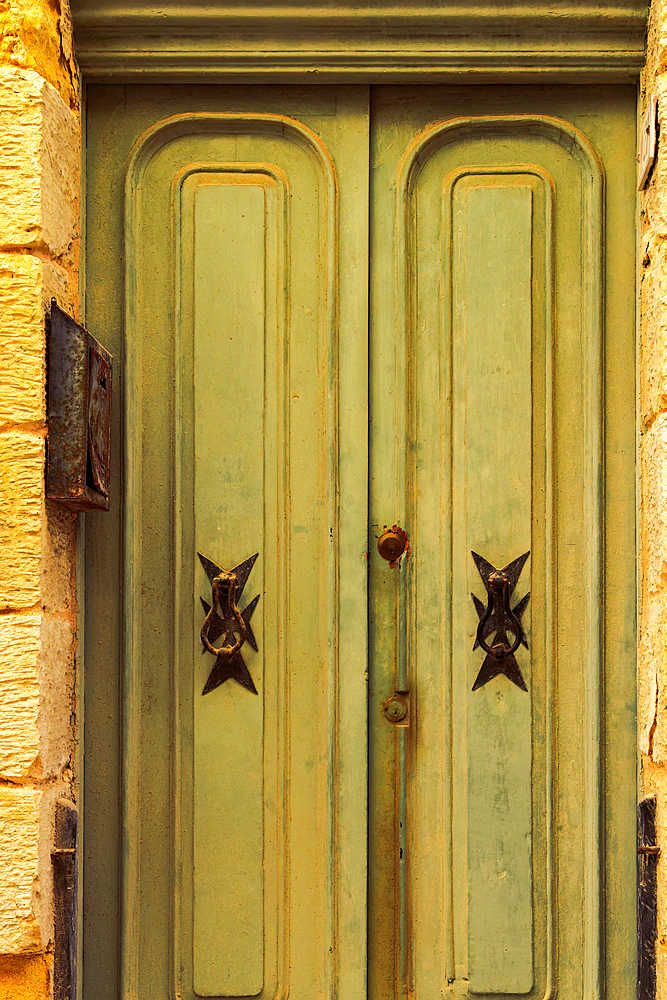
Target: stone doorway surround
[{"x": 40, "y": 115}]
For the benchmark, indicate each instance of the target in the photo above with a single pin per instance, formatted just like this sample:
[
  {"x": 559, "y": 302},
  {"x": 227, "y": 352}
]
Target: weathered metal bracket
[
  {"x": 497, "y": 619},
  {"x": 647, "y": 900},
  {"x": 223, "y": 618},
  {"x": 79, "y": 416}
]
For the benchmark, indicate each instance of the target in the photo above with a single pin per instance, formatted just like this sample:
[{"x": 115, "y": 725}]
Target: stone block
[
  {"x": 22, "y": 347},
  {"x": 39, "y": 166},
  {"x": 652, "y": 706},
  {"x": 21, "y": 514},
  {"x": 19, "y": 870},
  {"x": 37, "y": 35},
  {"x": 25, "y": 977},
  {"x": 657, "y": 37},
  {"x": 654, "y": 196},
  {"x": 56, "y": 694},
  {"x": 58, "y": 561},
  {"x": 652, "y": 652},
  {"x": 653, "y": 327},
  {"x": 27, "y": 285},
  {"x": 20, "y": 637},
  {"x": 36, "y": 696}
]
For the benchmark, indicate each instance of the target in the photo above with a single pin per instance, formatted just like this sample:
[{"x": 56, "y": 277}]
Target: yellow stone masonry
[
  {"x": 21, "y": 512},
  {"x": 39, "y": 167},
  {"x": 39, "y": 249},
  {"x": 37, "y": 35},
  {"x": 19, "y": 851},
  {"x": 20, "y": 751},
  {"x": 26, "y": 977},
  {"x": 652, "y": 721},
  {"x": 28, "y": 284}
]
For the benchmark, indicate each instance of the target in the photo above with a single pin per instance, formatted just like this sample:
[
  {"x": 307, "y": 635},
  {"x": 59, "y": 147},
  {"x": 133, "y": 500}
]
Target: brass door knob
[
  {"x": 395, "y": 708},
  {"x": 392, "y": 544}
]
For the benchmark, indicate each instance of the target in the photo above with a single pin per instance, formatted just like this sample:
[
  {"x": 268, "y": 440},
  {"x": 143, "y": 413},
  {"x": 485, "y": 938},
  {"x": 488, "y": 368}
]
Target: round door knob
[
  {"x": 395, "y": 709},
  {"x": 391, "y": 545}
]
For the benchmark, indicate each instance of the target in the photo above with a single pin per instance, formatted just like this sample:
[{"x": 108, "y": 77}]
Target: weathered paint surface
[
  {"x": 383, "y": 40},
  {"x": 204, "y": 189},
  {"x": 486, "y": 330},
  {"x": 245, "y": 244},
  {"x": 494, "y": 257}
]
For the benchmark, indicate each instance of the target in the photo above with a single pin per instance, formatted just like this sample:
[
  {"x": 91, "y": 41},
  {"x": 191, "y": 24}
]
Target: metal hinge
[
  {"x": 647, "y": 904},
  {"x": 65, "y": 898}
]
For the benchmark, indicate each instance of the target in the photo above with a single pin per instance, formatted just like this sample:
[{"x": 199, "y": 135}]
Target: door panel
[
  {"x": 242, "y": 871},
  {"x": 489, "y": 872},
  {"x": 251, "y": 490}
]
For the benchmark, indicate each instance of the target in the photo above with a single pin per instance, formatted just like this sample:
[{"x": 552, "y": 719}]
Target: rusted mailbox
[{"x": 79, "y": 416}]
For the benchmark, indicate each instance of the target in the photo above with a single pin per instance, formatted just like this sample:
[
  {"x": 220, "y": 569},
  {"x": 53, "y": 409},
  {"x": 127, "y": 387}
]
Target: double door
[{"x": 341, "y": 311}]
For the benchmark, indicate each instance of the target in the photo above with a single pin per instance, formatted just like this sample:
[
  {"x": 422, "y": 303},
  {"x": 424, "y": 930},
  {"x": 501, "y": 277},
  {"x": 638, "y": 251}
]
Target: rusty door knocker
[
  {"x": 498, "y": 619},
  {"x": 499, "y": 604},
  {"x": 223, "y": 618},
  {"x": 224, "y": 590}
]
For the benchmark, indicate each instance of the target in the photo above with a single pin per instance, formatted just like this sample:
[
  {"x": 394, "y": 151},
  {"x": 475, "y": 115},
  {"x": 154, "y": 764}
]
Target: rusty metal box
[{"x": 79, "y": 416}]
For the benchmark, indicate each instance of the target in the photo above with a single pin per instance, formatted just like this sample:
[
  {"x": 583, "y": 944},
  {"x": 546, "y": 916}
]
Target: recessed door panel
[
  {"x": 232, "y": 224},
  {"x": 490, "y": 270},
  {"x": 246, "y": 473}
]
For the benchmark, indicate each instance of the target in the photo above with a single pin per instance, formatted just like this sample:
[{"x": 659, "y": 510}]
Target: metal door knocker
[
  {"x": 223, "y": 618},
  {"x": 499, "y": 619},
  {"x": 224, "y": 597}
]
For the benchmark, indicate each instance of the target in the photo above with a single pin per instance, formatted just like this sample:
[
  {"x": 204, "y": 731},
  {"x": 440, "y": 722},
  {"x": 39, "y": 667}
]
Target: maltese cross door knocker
[
  {"x": 223, "y": 618},
  {"x": 497, "y": 619}
]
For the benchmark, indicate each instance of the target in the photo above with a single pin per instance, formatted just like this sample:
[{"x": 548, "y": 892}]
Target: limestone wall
[
  {"x": 39, "y": 247},
  {"x": 653, "y": 415}
]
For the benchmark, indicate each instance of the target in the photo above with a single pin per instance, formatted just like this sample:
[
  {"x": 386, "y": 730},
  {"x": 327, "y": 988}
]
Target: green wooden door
[
  {"x": 502, "y": 423},
  {"x": 248, "y": 252}
]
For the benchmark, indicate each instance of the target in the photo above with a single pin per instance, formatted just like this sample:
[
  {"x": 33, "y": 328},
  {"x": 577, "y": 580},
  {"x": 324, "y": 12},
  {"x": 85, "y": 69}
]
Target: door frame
[{"x": 346, "y": 45}]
